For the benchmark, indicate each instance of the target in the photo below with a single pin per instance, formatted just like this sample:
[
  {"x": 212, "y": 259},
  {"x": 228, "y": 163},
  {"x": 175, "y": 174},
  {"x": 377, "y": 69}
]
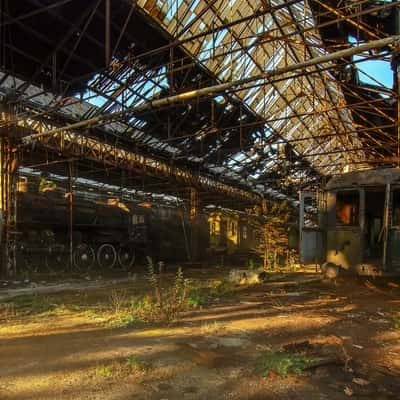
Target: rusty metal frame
[{"x": 291, "y": 31}]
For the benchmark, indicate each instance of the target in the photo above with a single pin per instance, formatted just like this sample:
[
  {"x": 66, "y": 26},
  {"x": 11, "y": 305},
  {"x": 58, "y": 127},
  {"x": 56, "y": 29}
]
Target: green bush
[
  {"x": 161, "y": 305},
  {"x": 197, "y": 297},
  {"x": 164, "y": 303}
]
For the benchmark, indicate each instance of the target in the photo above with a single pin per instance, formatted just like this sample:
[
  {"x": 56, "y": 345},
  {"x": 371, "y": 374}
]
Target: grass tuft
[
  {"x": 135, "y": 365},
  {"x": 118, "y": 369},
  {"x": 126, "y": 321},
  {"x": 105, "y": 371},
  {"x": 284, "y": 363},
  {"x": 7, "y": 311},
  {"x": 200, "y": 296},
  {"x": 30, "y": 305}
]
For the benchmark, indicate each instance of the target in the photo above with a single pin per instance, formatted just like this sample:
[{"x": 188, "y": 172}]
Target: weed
[
  {"x": 221, "y": 289},
  {"x": 32, "y": 304},
  {"x": 118, "y": 369},
  {"x": 118, "y": 300},
  {"x": 199, "y": 296},
  {"x": 153, "y": 279},
  {"x": 162, "y": 305},
  {"x": 135, "y": 365},
  {"x": 125, "y": 321},
  {"x": 106, "y": 371},
  {"x": 91, "y": 313},
  {"x": 166, "y": 304},
  {"x": 284, "y": 363},
  {"x": 180, "y": 286},
  {"x": 7, "y": 311}
]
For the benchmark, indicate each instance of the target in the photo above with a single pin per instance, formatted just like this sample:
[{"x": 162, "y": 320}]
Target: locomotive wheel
[
  {"x": 126, "y": 256},
  {"x": 32, "y": 262},
  {"x": 58, "y": 261},
  {"x": 106, "y": 256},
  {"x": 26, "y": 262},
  {"x": 83, "y": 257}
]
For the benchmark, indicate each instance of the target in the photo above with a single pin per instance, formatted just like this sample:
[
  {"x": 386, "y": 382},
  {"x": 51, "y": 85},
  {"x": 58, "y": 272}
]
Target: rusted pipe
[{"x": 220, "y": 87}]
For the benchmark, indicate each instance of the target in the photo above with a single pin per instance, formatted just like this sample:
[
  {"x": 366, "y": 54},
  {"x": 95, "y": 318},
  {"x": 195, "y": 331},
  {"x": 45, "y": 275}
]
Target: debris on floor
[{"x": 273, "y": 340}]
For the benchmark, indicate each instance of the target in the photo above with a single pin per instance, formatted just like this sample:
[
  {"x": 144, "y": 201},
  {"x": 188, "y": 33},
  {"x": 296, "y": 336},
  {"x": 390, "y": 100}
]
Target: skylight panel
[
  {"x": 275, "y": 59},
  {"x": 267, "y": 100}
]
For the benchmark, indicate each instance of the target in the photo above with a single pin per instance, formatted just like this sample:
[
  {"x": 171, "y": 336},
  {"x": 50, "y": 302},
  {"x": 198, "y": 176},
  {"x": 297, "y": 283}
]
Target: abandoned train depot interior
[{"x": 199, "y": 199}]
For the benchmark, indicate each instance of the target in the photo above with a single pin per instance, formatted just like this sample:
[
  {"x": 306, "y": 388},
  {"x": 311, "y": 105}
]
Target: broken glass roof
[{"x": 308, "y": 110}]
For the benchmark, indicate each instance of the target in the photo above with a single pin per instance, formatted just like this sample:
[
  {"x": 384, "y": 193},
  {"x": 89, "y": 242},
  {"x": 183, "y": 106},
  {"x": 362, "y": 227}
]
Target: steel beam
[
  {"x": 220, "y": 88},
  {"x": 74, "y": 144}
]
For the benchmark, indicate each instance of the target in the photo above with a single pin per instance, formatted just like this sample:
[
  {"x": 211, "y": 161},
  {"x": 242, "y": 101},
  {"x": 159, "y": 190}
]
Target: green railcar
[{"x": 353, "y": 224}]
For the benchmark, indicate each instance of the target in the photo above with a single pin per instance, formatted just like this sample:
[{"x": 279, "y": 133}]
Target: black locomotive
[{"x": 96, "y": 230}]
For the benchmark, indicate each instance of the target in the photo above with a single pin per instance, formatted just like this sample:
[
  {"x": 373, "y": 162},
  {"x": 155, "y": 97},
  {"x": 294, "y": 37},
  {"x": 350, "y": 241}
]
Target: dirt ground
[{"x": 68, "y": 351}]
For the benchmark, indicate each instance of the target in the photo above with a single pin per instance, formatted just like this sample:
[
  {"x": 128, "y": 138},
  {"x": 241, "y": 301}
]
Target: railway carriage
[{"x": 354, "y": 223}]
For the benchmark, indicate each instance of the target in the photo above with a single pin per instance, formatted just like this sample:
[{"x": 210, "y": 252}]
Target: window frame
[{"x": 357, "y": 223}]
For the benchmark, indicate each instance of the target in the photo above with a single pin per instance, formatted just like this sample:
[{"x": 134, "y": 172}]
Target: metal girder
[
  {"x": 81, "y": 146},
  {"x": 127, "y": 86},
  {"x": 219, "y": 88},
  {"x": 293, "y": 34}
]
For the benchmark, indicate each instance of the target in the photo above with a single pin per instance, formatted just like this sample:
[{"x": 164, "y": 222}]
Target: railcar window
[
  {"x": 396, "y": 208},
  {"x": 310, "y": 212},
  {"x": 347, "y": 208},
  {"x": 233, "y": 229},
  {"x": 137, "y": 219}
]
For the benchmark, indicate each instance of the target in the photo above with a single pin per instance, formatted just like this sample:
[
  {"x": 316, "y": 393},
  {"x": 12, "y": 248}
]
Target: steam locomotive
[
  {"x": 95, "y": 230},
  {"x": 98, "y": 228}
]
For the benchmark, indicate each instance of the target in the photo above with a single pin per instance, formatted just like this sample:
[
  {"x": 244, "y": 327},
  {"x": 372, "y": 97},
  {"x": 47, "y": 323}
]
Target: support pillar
[
  {"x": 194, "y": 223},
  {"x": 8, "y": 202},
  {"x": 396, "y": 77},
  {"x": 70, "y": 215}
]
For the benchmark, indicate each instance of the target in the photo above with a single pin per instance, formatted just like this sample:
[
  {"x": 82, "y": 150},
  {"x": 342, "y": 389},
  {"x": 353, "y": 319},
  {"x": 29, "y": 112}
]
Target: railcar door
[
  {"x": 311, "y": 235},
  {"x": 345, "y": 227},
  {"x": 375, "y": 226},
  {"x": 393, "y": 240}
]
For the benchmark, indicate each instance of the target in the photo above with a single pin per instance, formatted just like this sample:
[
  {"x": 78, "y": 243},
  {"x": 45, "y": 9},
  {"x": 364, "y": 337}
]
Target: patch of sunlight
[
  {"x": 44, "y": 326},
  {"x": 281, "y": 322},
  {"x": 167, "y": 331}
]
